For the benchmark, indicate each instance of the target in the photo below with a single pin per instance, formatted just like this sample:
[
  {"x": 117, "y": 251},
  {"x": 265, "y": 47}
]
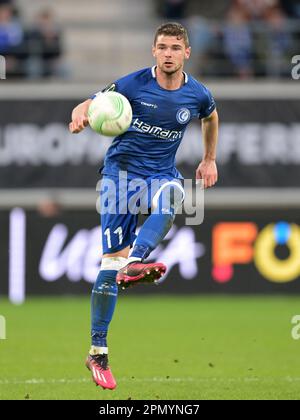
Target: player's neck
[{"x": 170, "y": 81}]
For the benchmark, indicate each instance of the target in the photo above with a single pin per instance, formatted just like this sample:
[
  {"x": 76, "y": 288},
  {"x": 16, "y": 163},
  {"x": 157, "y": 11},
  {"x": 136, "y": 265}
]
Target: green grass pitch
[{"x": 160, "y": 348}]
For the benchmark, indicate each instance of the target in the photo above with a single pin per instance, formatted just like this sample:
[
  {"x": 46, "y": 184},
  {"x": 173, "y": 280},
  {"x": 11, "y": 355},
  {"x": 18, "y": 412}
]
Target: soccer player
[{"x": 164, "y": 99}]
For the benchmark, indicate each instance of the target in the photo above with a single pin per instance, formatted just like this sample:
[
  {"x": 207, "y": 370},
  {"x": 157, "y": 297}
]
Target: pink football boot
[
  {"x": 101, "y": 373},
  {"x": 138, "y": 272}
]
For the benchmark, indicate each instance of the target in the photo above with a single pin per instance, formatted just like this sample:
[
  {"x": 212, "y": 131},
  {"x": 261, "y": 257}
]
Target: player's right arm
[
  {"x": 80, "y": 117},
  {"x": 80, "y": 112}
]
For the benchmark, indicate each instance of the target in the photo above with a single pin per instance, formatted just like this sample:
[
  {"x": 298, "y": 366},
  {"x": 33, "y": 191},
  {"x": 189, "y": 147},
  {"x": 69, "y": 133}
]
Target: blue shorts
[{"x": 122, "y": 200}]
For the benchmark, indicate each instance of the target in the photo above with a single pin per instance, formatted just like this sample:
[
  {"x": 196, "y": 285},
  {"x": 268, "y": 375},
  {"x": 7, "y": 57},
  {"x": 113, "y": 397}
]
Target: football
[{"x": 110, "y": 114}]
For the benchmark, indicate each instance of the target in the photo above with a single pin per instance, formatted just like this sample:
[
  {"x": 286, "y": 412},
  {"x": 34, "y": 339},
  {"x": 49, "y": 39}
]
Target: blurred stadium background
[{"x": 60, "y": 52}]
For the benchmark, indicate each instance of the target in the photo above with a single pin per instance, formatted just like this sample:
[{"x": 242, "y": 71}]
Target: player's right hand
[{"x": 78, "y": 124}]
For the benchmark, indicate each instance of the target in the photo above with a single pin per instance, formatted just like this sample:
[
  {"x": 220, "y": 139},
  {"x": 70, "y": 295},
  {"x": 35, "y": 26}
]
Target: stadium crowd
[
  {"x": 30, "y": 52},
  {"x": 232, "y": 38},
  {"x": 248, "y": 38}
]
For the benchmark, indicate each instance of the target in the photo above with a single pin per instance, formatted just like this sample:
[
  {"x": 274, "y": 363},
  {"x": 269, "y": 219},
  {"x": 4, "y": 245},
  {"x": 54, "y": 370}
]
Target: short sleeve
[
  {"x": 208, "y": 104},
  {"x": 109, "y": 88},
  {"x": 122, "y": 86}
]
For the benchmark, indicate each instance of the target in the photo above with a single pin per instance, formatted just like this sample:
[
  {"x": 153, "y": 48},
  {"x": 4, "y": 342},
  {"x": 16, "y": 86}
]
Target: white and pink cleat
[{"x": 101, "y": 373}]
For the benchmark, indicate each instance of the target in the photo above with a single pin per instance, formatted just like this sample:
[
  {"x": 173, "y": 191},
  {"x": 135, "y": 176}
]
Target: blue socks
[
  {"x": 151, "y": 234},
  {"x": 104, "y": 298}
]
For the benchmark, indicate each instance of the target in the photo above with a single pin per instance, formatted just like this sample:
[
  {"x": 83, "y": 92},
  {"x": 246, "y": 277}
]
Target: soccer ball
[{"x": 110, "y": 114}]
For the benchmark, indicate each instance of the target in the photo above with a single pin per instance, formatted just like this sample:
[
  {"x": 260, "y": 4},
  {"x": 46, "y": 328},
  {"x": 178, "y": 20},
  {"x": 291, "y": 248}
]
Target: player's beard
[{"x": 171, "y": 72}]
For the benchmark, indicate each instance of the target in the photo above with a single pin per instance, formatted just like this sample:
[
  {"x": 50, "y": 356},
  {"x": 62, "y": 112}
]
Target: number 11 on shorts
[{"x": 118, "y": 231}]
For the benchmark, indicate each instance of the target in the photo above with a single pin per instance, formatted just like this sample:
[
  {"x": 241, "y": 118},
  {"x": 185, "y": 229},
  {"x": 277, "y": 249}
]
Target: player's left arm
[{"x": 207, "y": 170}]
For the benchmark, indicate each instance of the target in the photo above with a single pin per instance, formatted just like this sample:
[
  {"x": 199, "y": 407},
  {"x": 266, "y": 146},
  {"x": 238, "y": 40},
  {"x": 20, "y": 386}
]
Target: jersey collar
[{"x": 186, "y": 77}]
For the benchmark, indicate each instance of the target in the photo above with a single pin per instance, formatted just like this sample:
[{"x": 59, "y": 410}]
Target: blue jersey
[{"x": 160, "y": 118}]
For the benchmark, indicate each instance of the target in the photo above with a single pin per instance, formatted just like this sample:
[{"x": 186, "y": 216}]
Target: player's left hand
[{"x": 207, "y": 170}]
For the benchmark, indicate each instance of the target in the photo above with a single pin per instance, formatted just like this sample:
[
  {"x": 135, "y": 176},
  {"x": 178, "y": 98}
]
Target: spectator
[
  {"x": 44, "y": 46},
  {"x": 254, "y": 9},
  {"x": 203, "y": 36},
  {"x": 11, "y": 34},
  {"x": 11, "y": 37},
  {"x": 279, "y": 42},
  {"x": 238, "y": 43}
]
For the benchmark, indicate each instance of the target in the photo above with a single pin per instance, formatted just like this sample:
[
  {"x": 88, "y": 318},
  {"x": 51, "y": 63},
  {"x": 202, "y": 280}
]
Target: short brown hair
[{"x": 173, "y": 29}]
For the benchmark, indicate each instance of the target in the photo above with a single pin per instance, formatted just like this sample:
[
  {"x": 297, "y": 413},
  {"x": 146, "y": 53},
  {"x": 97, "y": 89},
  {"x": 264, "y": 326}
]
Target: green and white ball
[{"x": 110, "y": 114}]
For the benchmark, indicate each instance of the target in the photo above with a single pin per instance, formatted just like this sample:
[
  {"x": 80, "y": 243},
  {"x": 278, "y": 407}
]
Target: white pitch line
[{"x": 41, "y": 381}]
